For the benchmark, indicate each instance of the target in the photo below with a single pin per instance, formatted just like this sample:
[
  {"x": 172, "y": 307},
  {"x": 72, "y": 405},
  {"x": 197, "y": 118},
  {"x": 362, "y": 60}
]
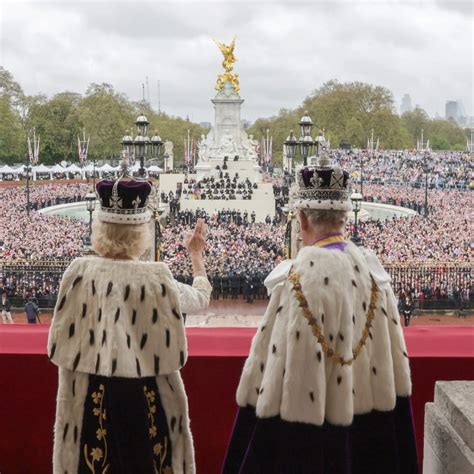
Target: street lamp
[
  {"x": 356, "y": 199},
  {"x": 90, "y": 205},
  {"x": 306, "y": 143},
  {"x": 291, "y": 143},
  {"x": 139, "y": 147}
]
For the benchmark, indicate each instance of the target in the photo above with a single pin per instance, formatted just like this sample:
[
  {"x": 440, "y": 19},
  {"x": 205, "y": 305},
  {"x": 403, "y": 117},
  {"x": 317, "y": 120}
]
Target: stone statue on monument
[
  {"x": 203, "y": 149},
  {"x": 228, "y": 145}
]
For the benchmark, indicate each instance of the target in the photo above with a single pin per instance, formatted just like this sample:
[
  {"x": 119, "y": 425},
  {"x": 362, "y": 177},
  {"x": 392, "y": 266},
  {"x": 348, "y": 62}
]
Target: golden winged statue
[{"x": 227, "y": 64}]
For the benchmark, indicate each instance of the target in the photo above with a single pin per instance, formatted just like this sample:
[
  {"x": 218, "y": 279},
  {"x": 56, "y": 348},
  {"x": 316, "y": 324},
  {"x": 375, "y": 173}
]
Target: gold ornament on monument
[{"x": 227, "y": 64}]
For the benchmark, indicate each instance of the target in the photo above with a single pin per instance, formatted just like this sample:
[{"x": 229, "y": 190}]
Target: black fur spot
[
  {"x": 93, "y": 288},
  {"x": 374, "y": 370},
  {"x": 356, "y": 268},
  {"x": 181, "y": 358},
  {"x": 261, "y": 390},
  {"x": 84, "y": 310},
  {"x": 395, "y": 321},
  {"x": 61, "y": 303},
  {"x": 311, "y": 396},
  {"x": 274, "y": 349},
  {"x": 176, "y": 314},
  {"x": 91, "y": 337},
  {"x": 262, "y": 366},
  {"x": 76, "y": 361},
  {"x": 370, "y": 335},
  {"x": 384, "y": 312},
  {"x": 109, "y": 288},
  {"x": 163, "y": 290},
  {"x": 353, "y": 392},
  {"x": 262, "y": 328},
  {"x": 322, "y": 318},
  {"x": 353, "y": 319},
  {"x": 279, "y": 309},
  {"x": 142, "y": 294},
  {"x": 66, "y": 428},
  {"x": 74, "y": 388},
  {"x": 169, "y": 385},
  {"x": 173, "y": 422},
  {"x": 331, "y": 337},
  {"x": 75, "y": 434},
  {"x": 104, "y": 337},
  {"x": 128, "y": 341},
  {"x": 405, "y": 354},
  {"x": 364, "y": 306},
  {"x": 117, "y": 315},
  {"x": 139, "y": 370},
  {"x": 155, "y": 315},
  {"x": 127, "y": 293},
  {"x": 180, "y": 424},
  {"x": 134, "y": 316},
  {"x": 53, "y": 350},
  {"x": 354, "y": 283},
  {"x": 97, "y": 363},
  {"x": 297, "y": 335},
  {"x": 326, "y": 280},
  {"x": 114, "y": 366},
  {"x": 143, "y": 341},
  {"x": 341, "y": 336},
  {"x": 168, "y": 338},
  {"x": 76, "y": 281},
  {"x": 319, "y": 356},
  {"x": 311, "y": 263},
  {"x": 72, "y": 328},
  {"x": 100, "y": 314},
  {"x": 257, "y": 390},
  {"x": 339, "y": 380},
  {"x": 157, "y": 364}
]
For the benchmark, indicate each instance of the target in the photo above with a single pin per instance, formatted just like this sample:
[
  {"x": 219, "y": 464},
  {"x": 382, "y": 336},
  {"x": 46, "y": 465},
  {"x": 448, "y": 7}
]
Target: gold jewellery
[{"x": 294, "y": 278}]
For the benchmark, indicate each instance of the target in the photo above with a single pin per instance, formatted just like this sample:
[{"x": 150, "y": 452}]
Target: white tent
[
  {"x": 73, "y": 169},
  {"x": 106, "y": 168},
  {"x": 58, "y": 169},
  {"x": 8, "y": 170},
  {"x": 154, "y": 169},
  {"x": 41, "y": 169}
]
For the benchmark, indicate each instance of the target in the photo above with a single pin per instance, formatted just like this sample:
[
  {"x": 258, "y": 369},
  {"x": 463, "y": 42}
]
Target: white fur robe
[
  {"x": 121, "y": 318},
  {"x": 288, "y": 374}
]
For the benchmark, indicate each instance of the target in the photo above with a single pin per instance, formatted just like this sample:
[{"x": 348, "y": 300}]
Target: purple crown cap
[{"x": 123, "y": 195}]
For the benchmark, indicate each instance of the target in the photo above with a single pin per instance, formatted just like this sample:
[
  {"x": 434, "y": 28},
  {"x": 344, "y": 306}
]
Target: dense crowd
[
  {"x": 240, "y": 252},
  {"x": 39, "y": 236}
]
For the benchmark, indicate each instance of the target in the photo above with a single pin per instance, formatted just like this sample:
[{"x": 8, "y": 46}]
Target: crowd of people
[
  {"x": 241, "y": 252},
  {"x": 39, "y": 236}
]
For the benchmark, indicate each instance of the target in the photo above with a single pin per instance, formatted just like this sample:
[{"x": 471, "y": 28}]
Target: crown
[
  {"x": 322, "y": 186},
  {"x": 124, "y": 201}
]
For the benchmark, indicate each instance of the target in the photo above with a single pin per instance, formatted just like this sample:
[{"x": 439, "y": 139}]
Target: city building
[{"x": 406, "y": 104}]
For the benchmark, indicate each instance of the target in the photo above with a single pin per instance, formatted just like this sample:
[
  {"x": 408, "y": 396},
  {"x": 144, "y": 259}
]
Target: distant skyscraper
[
  {"x": 452, "y": 110},
  {"x": 406, "y": 104}
]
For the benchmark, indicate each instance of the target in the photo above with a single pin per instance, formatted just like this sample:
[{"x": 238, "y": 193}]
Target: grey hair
[
  {"x": 120, "y": 239},
  {"x": 325, "y": 218}
]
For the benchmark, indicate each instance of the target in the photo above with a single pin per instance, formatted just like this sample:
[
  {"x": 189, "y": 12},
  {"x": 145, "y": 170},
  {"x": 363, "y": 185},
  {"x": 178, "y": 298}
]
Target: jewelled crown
[
  {"x": 124, "y": 201},
  {"x": 321, "y": 185}
]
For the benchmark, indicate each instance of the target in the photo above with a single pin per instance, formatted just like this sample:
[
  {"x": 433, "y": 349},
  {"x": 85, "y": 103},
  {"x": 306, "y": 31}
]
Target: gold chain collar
[{"x": 294, "y": 278}]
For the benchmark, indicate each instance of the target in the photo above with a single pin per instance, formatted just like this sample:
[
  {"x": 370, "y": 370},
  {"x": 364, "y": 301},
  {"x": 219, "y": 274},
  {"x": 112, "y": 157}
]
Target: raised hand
[{"x": 195, "y": 242}]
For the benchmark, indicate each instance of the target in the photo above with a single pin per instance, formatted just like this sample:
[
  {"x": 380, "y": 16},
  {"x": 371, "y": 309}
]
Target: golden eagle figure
[{"x": 227, "y": 64}]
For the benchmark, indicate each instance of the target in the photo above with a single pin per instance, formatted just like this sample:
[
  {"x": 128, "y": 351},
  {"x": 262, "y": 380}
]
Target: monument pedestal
[{"x": 449, "y": 429}]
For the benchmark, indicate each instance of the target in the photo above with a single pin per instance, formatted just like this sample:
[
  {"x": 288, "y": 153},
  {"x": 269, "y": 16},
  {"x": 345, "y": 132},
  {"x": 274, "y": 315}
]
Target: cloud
[{"x": 284, "y": 50}]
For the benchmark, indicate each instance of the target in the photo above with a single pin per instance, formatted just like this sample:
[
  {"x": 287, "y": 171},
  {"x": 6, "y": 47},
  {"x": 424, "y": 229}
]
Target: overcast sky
[{"x": 284, "y": 50}]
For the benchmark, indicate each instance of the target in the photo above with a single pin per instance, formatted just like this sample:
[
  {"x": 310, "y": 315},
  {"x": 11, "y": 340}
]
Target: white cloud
[{"x": 284, "y": 50}]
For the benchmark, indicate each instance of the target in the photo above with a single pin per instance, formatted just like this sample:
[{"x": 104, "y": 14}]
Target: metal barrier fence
[{"x": 444, "y": 284}]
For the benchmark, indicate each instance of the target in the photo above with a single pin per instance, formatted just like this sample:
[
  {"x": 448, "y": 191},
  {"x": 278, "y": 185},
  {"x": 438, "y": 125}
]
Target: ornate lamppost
[
  {"x": 141, "y": 146},
  {"x": 356, "y": 199},
  {"x": 90, "y": 204},
  {"x": 305, "y": 142},
  {"x": 32, "y": 159},
  {"x": 28, "y": 170}
]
